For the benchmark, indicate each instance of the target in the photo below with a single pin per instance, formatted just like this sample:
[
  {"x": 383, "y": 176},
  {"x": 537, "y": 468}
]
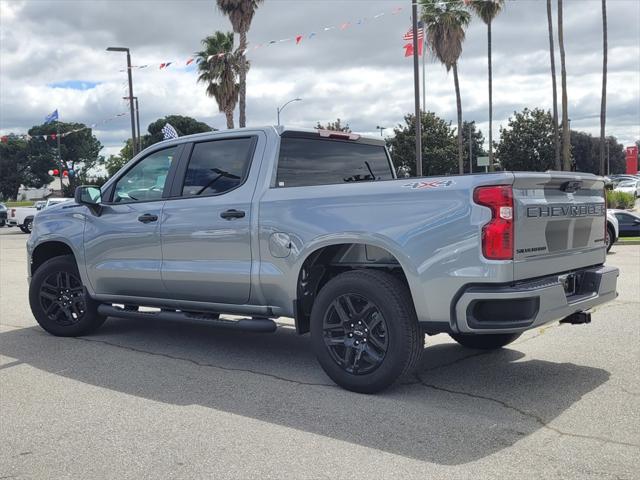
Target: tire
[
  {"x": 27, "y": 226},
  {"x": 491, "y": 341},
  {"x": 374, "y": 353},
  {"x": 609, "y": 238},
  {"x": 59, "y": 301}
]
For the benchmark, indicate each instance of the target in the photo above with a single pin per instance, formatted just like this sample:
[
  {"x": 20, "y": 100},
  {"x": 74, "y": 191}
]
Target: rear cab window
[{"x": 312, "y": 160}]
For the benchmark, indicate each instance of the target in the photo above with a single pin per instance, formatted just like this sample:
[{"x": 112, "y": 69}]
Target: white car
[
  {"x": 629, "y": 186},
  {"x": 23, "y": 216}
]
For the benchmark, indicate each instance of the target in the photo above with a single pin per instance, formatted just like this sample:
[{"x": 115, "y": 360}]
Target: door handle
[
  {"x": 147, "y": 218},
  {"x": 231, "y": 214}
]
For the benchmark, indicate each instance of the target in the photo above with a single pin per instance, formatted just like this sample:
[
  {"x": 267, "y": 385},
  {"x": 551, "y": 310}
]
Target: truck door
[
  {"x": 122, "y": 244},
  {"x": 206, "y": 226}
]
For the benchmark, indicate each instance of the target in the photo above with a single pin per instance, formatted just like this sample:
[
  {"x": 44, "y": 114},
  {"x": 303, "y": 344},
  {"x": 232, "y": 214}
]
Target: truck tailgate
[{"x": 559, "y": 222}]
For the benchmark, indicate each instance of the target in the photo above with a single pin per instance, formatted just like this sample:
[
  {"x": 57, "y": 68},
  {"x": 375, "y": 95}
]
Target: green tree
[
  {"x": 487, "y": 10},
  {"x": 446, "y": 23},
  {"x": 79, "y": 149},
  {"x": 220, "y": 72},
  {"x": 240, "y": 13},
  {"x": 335, "y": 126},
  {"x": 554, "y": 89},
  {"x": 18, "y": 168},
  {"x": 438, "y": 145},
  {"x": 183, "y": 125},
  {"x": 527, "y": 142},
  {"x": 585, "y": 149},
  {"x": 470, "y": 130}
]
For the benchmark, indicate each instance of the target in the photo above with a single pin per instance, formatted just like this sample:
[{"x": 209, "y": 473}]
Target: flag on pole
[
  {"x": 408, "y": 37},
  {"x": 53, "y": 116},
  {"x": 169, "y": 132}
]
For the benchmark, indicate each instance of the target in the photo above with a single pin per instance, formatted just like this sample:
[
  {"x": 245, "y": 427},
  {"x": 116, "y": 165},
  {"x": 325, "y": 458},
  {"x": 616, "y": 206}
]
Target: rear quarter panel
[{"x": 431, "y": 226}]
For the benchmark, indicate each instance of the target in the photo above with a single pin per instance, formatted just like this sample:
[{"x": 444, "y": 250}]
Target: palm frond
[{"x": 487, "y": 10}]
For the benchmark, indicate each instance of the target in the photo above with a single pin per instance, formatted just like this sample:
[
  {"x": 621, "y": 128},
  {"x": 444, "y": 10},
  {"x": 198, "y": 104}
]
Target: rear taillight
[
  {"x": 13, "y": 212},
  {"x": 497, "y": 235}
]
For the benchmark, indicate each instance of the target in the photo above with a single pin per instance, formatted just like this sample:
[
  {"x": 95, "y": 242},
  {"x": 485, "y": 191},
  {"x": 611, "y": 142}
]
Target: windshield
[{"x": 627, "y": 183}]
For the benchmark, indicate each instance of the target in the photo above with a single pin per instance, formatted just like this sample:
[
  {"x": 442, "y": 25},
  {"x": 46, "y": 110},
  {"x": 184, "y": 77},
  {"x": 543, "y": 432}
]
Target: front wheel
[
  {"x": 491, "y": 341},
  {"x": 59, "y": 301},
  {"x": 609, "y": 236},
  {"x": 364, "y": 330}
]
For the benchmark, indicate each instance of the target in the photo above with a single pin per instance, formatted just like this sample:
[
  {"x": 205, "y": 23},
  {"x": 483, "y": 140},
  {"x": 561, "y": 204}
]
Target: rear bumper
[{"x": 526, "y": 305}]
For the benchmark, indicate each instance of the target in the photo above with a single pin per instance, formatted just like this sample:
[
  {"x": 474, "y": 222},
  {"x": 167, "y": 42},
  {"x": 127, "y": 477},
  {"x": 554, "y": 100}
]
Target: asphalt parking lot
[{"x": 174, "y": 400}]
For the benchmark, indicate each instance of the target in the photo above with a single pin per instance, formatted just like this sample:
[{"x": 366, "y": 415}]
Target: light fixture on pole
[
  {"x": 133, "y": 120},
  {"x": 382, "y": 129},
  {"x": 282, "y": 107}
]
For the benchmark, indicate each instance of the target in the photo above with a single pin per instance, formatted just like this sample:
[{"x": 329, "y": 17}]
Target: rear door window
[
  {"x": 311, "y": 161},
  {"x": 218, "y": 166}
]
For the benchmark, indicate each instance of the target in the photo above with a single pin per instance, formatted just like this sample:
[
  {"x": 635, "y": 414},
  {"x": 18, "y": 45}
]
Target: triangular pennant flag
[
  {"x": 345, "y": 25},
  {"x": 312, "y": 34},
  {"x": 162, "y": 65},
  {"x": 190, "y": 61},
  {"x": 53, "y": 136},
  {"x": 298, "y": 39},
  {"x": 210, "y": 57},
  {"x": 166, "y": 65}
]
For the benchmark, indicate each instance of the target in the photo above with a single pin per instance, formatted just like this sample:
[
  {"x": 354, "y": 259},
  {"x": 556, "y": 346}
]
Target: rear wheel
[
  {"x": 364, "y": 330},
  {"x": 490, "y": 341},
  {"x": 27, "y": 226},
  {"x": 59, "y": 301}
]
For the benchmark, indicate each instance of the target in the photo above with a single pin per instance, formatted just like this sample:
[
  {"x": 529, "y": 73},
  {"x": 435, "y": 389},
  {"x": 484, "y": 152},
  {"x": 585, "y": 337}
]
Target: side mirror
[{"x": 90, "y": 196}]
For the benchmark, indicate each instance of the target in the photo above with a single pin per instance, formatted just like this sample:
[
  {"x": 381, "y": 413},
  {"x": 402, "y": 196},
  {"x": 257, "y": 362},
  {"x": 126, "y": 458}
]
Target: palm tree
[
  {"x": 566, "y": 134},
  {"x": 487, "y": 10},
  {"x": 445, "y": 23},
  {"x": 552, "y": 54},
  {"x": 603, "y": 103},
  {"x": 240, "y": 13},
  {"x": 220, "y": 72}
]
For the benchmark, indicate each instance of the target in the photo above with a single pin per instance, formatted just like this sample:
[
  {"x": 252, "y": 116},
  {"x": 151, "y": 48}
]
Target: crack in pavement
[
  {"x": 204, "y": 364},
  {"x": 524, "y": 413}
]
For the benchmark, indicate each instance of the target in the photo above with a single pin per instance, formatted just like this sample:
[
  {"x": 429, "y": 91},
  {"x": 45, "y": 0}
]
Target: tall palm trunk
[
  {"x": 603, "y": 103},
  {"x": 552, "y": 55},
  {"x": 491, "y": 165},
  {"x": 459, "y": 106},
  {"x": 229, "y": 114},
  {"x": 566, "y": 133},
  {"x": 242, "y": 74}
]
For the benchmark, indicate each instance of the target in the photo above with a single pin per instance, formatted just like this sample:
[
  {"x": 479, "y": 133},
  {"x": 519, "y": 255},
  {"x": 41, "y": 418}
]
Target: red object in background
[
  {"x": 632, "y": 160},
  {"x": 65, "y": 174},
  {"x": 56, "y": 171}
]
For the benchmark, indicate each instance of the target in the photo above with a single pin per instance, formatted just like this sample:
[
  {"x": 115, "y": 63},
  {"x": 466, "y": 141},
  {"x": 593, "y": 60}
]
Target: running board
[{"x": 258, "y": 325}]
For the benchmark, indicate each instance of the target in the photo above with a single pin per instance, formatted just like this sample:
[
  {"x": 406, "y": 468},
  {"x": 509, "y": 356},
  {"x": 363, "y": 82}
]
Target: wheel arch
[
  {"x": 324, "y": 259},
  {"x": 48, "y": 250}
]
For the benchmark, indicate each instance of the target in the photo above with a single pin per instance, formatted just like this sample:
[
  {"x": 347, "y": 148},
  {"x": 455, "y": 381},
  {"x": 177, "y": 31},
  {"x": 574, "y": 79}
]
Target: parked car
[
  {"x": 629, "y": 223},
  {"x": 23, "y": 216},
  {"x": 629, "y": 186},
  {"x": 315, "y": 225},
  {"x": 3, "y": 214},
  {"x": 612, "y": 233}
]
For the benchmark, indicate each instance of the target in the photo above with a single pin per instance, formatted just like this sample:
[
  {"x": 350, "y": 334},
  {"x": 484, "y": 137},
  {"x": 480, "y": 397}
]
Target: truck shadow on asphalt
[{"x": 462, "y": 405}]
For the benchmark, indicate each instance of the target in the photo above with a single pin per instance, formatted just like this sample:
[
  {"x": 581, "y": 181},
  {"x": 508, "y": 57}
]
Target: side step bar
[{"x": 258, "y": 325}]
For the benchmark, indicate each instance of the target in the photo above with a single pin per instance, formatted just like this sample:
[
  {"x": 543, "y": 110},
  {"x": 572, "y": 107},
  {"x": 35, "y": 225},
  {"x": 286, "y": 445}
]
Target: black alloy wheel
[
  {"x": 62, "y": 298},
  {"x": 356, "y": 334}
]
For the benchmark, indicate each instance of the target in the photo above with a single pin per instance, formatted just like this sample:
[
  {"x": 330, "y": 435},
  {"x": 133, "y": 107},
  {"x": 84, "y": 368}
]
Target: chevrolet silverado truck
[{"x": 273, "y": 222}]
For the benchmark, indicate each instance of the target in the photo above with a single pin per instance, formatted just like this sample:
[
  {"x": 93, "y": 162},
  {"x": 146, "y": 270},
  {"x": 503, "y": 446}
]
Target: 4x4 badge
[{"x": 433, "y": 184}]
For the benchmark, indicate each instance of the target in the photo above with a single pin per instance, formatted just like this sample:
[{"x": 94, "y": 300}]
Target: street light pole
[
  {"x": 416, "y": 88},
  {"x": 382, "y": 129},
  {"x": 138, "y": 134},
  {"x": 131, "y": 112},
  {"x": 282, "y": 107}
]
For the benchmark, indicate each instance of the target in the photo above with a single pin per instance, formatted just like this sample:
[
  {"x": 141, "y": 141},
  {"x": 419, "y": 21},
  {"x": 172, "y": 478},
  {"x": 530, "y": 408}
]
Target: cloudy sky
[{"x": 53, "y": 56}]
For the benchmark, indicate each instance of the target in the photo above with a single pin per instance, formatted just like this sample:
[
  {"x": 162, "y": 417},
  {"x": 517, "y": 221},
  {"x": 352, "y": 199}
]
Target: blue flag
[{"x": 51, "y": 117}]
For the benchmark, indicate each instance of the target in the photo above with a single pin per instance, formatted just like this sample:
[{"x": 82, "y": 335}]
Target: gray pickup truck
[{"x": 274, "y": 222}]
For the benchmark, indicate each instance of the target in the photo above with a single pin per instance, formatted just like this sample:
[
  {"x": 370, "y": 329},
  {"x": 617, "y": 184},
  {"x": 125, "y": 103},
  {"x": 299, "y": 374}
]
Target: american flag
[
  {"x": 409, "y": 35},
  {"x": 169, "y": 132}
]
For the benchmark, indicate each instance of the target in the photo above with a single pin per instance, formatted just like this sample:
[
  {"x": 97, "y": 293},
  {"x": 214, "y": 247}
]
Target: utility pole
[
  {"x": 138, "y": 134},
  {"x": 132, "y": 113},
  {"x": 416, "y": 89},
  {"x": 59, "y": 155},
  {"x": 424, "y": 72},
  {"x": 470, "y": 150},
  {"x": 608, "y": 164}
]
